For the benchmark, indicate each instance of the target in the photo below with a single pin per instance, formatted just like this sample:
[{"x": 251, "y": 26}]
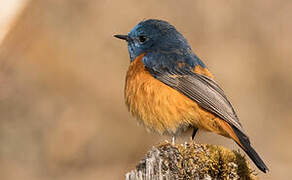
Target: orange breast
[{"x": 161, "y": 108}]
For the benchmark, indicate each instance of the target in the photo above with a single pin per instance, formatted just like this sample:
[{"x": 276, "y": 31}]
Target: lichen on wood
[{"x": 168, "y": 161}]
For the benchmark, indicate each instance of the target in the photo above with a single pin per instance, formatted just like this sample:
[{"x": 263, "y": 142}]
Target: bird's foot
[{"x": 173, "y": 140}]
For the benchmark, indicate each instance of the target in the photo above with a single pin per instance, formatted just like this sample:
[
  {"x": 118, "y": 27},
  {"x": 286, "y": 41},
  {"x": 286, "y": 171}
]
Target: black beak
[{"x": 124, "y": 37}]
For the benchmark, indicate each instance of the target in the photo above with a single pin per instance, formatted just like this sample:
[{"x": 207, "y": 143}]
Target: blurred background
[{"x": 62, "y": 78}]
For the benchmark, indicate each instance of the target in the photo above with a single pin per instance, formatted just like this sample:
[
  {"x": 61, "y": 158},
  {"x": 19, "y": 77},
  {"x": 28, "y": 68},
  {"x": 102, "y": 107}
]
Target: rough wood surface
[{"x": 191, "y": 161}]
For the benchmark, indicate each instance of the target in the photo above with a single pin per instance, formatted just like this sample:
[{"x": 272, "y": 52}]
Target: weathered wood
[{"x": 191, "y": 161}]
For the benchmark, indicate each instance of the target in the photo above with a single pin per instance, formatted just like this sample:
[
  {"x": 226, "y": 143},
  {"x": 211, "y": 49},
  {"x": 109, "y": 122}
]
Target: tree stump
[{"x": 191, "y": 161}]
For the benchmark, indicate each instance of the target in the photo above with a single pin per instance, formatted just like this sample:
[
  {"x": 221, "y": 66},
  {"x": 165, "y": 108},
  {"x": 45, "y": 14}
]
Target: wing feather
[{"x": 200, "y": 89}]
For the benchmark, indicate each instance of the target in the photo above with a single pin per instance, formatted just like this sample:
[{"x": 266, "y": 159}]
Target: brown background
[{"x": 62, "y": 77}]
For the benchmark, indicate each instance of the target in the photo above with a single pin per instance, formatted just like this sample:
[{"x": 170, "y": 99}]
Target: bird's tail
[{"x": 244, "y": 143}]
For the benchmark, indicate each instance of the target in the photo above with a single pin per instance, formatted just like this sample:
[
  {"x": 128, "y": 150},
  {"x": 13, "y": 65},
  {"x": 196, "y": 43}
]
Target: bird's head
[{"x": 154, "y": 35}]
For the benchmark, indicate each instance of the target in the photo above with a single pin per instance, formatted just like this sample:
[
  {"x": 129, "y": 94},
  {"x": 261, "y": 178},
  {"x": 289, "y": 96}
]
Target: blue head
[{"x": 155, "y": 35}]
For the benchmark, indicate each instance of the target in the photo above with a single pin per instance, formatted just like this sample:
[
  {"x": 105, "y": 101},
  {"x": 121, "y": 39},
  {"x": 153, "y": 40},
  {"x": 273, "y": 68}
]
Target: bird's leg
[
  {"x": 173, "y": 139},
  {"x": 194, "y": 132}
]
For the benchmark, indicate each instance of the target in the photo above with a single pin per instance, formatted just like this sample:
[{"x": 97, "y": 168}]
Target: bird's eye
[{"x": 142, "y": 39}]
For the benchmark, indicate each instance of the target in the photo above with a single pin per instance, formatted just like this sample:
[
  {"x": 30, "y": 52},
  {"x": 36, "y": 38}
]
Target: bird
[{"x": 170, "y": 90}]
